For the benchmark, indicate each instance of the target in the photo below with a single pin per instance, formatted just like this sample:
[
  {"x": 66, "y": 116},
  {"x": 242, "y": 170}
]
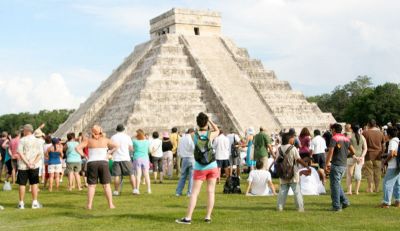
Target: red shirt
[{"x": 14, "y": 147}]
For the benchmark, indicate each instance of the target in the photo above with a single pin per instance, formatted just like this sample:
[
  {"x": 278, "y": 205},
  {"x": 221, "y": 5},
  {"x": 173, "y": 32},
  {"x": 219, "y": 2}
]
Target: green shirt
[{"x": 261, "y": 142}]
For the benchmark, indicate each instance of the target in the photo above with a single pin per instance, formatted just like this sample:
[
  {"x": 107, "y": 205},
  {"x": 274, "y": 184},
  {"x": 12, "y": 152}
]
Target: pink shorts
[{"x": 206, "y": 174}]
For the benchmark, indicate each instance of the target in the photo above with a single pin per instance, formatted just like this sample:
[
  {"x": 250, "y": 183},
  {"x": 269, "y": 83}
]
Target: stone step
[
  {"x": 282, "y": 95},
  {"x": 271, "y": 85},
  {"x": 164, "y": 60},
  {"x": 170, "y": 71},
  {"x": 250, "y": 64},
  {"x": 170, "y": 96},
  {"x": 167, "y": 49},
  {"x": 168, "y": 107},
  {"x": 170, "y": 83}
]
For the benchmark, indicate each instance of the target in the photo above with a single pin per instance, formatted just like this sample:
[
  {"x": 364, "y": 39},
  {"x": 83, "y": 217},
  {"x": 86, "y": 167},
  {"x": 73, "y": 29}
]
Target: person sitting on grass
[
  {"x": 260, "y": 182},
  {"x": 311, "y": 180}
]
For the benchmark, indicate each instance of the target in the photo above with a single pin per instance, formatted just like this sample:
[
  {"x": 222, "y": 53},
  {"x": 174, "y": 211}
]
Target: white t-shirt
[
  {"x": 222, "y": 147},
  {"x": 393, "y": 145},
  {"x": 259, "y": 182},
  {"x": 124, "y": 142},
  {"x": 311, "y": 185},
  {"x": 155, "y": 148},
  {"x": 318, "y": 145}
]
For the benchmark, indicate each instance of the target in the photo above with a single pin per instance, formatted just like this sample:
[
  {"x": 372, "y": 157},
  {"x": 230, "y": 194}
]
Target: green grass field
[{"x": 65, "y": 211}]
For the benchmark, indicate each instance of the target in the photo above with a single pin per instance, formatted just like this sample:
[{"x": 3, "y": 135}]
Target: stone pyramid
[{"x": 189, "y": 67}]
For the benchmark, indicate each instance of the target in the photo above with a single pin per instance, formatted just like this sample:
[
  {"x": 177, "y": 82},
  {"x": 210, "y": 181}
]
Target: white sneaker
[
  {"x": 1, "y": 207},
  {"x": 37, "y": 205},
  {"x": 21, "y": 206},
  {"x": 135, "y": 192},
  {"x": 115, "y": 193},
  {"x": 148, "y": 191}
]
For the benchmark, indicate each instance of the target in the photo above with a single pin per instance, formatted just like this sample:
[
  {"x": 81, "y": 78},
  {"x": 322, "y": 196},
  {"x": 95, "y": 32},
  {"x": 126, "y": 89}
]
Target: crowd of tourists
[{"x": 303, "y": 162}]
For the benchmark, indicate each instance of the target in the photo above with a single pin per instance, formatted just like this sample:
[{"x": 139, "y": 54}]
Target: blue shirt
[
  {"x": 141, "y": 149},
  {"x": 54, "y": 158},
  {"x": 72, "y": 155}
]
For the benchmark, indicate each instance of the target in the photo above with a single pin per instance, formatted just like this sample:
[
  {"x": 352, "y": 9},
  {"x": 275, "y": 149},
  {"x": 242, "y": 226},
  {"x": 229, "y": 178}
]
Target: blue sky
[{"x": 53, "y": 54}]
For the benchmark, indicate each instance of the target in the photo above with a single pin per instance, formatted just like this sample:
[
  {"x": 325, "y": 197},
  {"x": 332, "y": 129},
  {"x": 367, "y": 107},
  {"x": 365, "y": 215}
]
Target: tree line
[
  {"x": 52, "y": 119},
  {"x": 359, "y": 101}
]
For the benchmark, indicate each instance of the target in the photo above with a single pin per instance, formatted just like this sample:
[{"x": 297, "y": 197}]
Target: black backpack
[
  {"x": 234, "y": 150},
  {"x": 203, "y": 152},
  {"x": 283, "y": 167},
  {"x": 232, "y": 185}
]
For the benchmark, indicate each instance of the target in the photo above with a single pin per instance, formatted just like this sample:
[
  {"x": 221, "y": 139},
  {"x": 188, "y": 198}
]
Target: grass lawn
[{"x": 65, "y": 211}]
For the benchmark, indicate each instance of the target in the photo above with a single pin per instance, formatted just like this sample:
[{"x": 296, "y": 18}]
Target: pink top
[
  {"x": 14, "y": 147},
  {"x": 304, "y": 144}
]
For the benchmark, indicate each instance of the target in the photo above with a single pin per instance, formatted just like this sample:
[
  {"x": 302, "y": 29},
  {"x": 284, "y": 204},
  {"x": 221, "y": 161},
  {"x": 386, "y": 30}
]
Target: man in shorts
[
  {"x": 122, "y": 165},
  {"x": 31, "y": 152}
]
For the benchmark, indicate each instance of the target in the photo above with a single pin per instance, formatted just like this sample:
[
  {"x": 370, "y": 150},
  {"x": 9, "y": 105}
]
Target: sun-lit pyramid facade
[{"x": 188, "y": 67}]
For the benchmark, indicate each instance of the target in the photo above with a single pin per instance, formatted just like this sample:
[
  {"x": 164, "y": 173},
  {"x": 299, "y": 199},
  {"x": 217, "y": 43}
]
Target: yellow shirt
[{"x": 174, "y": 137}]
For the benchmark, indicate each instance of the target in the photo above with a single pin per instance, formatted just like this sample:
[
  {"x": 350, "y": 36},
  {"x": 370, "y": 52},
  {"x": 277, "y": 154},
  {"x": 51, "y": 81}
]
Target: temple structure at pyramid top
[
  {"x": 186, "y": 22},
  {"x": 188, "y": 67}
]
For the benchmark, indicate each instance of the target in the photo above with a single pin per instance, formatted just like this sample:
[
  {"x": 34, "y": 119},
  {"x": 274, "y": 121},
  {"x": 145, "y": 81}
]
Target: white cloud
[{"x": 29, "y": 94}]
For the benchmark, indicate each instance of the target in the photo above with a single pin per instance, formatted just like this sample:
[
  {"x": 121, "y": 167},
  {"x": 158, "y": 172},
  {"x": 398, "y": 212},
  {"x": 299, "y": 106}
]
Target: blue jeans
[
  {"x": 337, "y": 195},
  {"x": 391, "y": 186},
  {"x": 186, "y": 172},
  {"x": 283, "y": 192}
]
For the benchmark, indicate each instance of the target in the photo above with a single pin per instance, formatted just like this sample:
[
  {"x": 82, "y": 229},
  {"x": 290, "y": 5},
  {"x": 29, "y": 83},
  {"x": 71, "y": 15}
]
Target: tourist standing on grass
[
  {"x": 373, "y": 164},
  {"x": 305, "y": 141},
  {"x": 168, "y": 163},
  {"x": 250, "y": 162},
  {"x": 317, "y": 148},
  {"x": 122, "y": 165},
  {"x": 54, "y": 154},
  {"x": 156, "y": 154},
  {"x": 3, "y": 140},
  {"x": 141, "y": 162},
  {"x": 74, "y": 162},
  {"x": 290, "y": 153},
  {"x": 174, "y": 137},
  {"x": 221, "y": 147},
  {"x": 336, "y": 162},
  {"x": 15, "y": 156},
  {"x": 262, "y": 148},
  {"x": 45, "y": 174},
  {"x": 391, "y": 182},
  {"x": 30, "y": 151},
  {"x": 97, "y": 165},
  {"x": 185, "y": 152},
  {"x": 205, "y": 168},
  {"x": 354, "y": 165},
  {"x": 260, "y": 182},
  {"x": 234, "y": 149}
]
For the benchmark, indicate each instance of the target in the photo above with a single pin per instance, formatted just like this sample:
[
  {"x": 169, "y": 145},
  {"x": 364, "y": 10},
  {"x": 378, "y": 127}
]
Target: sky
[{"x": 54, "y": 53}]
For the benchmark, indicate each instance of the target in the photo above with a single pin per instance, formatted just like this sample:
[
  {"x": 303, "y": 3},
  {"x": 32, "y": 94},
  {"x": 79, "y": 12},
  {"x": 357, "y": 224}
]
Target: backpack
[
  {"x": 232, "y": 185},
  {"x": 284, "y": 168},
  {"x": 234, "y": 150},
  {"x": 203, "y": 152}
]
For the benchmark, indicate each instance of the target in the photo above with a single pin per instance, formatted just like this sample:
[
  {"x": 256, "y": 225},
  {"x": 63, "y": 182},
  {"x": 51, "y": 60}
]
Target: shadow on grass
[{"x": 133, "y": 216}]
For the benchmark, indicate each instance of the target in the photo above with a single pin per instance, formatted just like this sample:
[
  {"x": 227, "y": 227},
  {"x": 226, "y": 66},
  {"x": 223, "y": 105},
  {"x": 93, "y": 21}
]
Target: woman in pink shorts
[{"x": 208, "y": 172}]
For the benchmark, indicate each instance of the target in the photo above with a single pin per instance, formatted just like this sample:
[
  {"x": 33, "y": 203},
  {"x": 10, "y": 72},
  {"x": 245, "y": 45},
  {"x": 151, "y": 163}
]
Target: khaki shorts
[
  {"x": 74, "y": 167},
  {"x": 54, "y": 168}
]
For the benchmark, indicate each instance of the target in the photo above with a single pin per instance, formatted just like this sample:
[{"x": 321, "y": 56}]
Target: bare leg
[
  {"x": 193, "y": 198},
  {"x": 51, "y": 179},
  {"x": 147, "y": 179},
  {"x": 70, "y": 179},
  {"x": 211, "y": 197},
  {"x": 349, "y": 178},
  {"x": 117, "y": 181},
  {"x": 155, "y": 176},
  {"x": 107, "y": 193},
  {"x": 133, "y": 181},
  {"x": 57, "y": 175},
  {"x": 138, "y": 177},
  {"x": 161, "y": 176},
  {"x": 34, "y": 192},
  {"x": 78, "y": 180},
  {"x": 219, "y": 175},
  {"x": 227, "y": 172},
  {"x": 358, "y": 183},
  {"x": 91, "y": 192},
  {"x": 22, "y": 192}
]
